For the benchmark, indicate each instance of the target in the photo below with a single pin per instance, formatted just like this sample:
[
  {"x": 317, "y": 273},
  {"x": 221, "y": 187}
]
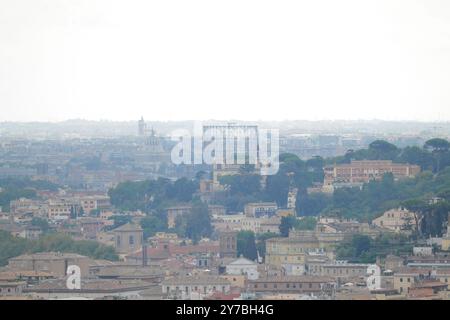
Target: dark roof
[{"x": 128, "y": 227}]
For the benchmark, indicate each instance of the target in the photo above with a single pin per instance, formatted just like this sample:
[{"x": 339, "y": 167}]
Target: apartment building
[
  {"x": 260, "y": 209},
  {"x": 367, "y": 170},
  {"x": 289, "y": 284},
  {"x": 188, "y": 288}
]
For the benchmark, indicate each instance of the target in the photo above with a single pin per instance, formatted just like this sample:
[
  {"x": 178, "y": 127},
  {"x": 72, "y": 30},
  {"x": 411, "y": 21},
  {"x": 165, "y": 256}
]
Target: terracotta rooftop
[
  {"x": 173, "y": 249},
  {"x": 103, "y": 286},
  {"x": 48, "y": 256},
  {"x": 131, "y": 227},
  {"x": 202, "y": 280},
  {"x": 290, "y": 279}
]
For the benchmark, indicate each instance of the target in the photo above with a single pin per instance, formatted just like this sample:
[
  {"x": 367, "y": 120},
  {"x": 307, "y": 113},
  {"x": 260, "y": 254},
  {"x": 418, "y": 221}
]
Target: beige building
[
  {"x": 344, "y": 270},
  {"x": 228, "y": 244},
  {"x": 61, "y": 209},
  {"x": 236, "y": 280},
  {"x": 446, "y": 238},
  {"x": 174, "y": 212},
  {"x": 52, "y": 262},
  {"x": 91, "y": 203},
  {"x": 291, "y": 250},
  {"x": 240, "y": 222},
  {"x": 398, "y": 220},
  {"x": 216, "y": 210},
  {"x": 394, "y": 263},
  {"x": 23, "y": 205},
  {"x": 289, "y": 284},
  {"x": 407, "y": 278},
  {"x": 261, "y": 225},
  {"x": 193, "y": 288},
  {"x": 11, "y": 288},
  {"x": 286, "y": 213},
  {"x": 128, "y": 238}
]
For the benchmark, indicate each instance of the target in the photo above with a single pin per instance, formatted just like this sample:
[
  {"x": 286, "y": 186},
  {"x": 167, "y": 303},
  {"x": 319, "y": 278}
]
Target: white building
[
  {"x": 260, "y": 209},
  {"x": 243, "y": 266},
  {"x": 194, "y": 288},
  {"x": 423, "y": 251}
]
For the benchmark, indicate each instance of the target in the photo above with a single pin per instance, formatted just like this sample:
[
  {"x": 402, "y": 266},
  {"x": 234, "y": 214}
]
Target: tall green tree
[
  {"x": 198, "y": 222},
  {"x": 439, "y": 148},
  {"x": 286, "y": 225},
  {"x": 246, "y": 245}
]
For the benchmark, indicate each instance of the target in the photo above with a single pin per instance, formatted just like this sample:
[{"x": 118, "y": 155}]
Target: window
[
  {"x": 131, "y": 240},
  {"x": 401, "y": 279}
]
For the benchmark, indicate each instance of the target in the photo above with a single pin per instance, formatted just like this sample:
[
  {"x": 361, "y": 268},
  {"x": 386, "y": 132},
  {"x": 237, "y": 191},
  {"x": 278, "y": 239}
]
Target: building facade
[
  {"x": 128, "y": 238},
  {"x": 367, "y": 170}
]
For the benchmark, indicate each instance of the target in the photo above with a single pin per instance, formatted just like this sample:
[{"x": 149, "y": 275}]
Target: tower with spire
[{"x": 142, "y": 127}]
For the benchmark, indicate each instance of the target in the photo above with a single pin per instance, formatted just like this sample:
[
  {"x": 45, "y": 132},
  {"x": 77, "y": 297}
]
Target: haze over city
[
  {"x": 248, "y": 60},
  {"x": 240, "y": 152}
]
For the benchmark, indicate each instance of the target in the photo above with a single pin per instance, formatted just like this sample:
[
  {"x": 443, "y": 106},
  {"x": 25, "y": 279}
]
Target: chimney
[{"x": 144, "y": 255}]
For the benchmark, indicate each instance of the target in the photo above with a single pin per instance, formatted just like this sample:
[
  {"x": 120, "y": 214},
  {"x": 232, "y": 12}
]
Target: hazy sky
[{"x": 241, "y": 59}]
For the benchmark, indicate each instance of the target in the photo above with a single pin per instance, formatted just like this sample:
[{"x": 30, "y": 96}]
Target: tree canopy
[{"x": 11, "y": 246}]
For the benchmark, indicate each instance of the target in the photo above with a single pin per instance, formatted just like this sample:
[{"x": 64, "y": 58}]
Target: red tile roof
[{"x": 173, "y": 250}]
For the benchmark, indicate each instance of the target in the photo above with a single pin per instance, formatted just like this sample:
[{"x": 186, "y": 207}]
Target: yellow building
[
  {"x": 291, "y": 250},
  {"x": 406, "y": 279},
  {"x": 446, "y": 238},
  {"x": 446, "y": 243},
  {"x": 286, "y": 213}
]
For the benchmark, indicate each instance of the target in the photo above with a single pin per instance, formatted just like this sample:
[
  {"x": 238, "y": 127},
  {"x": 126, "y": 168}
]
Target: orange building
[{"x": 367, "y": 170}]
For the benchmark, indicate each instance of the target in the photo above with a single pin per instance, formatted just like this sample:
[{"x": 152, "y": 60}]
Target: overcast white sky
[{"x": 241, "y": 59}]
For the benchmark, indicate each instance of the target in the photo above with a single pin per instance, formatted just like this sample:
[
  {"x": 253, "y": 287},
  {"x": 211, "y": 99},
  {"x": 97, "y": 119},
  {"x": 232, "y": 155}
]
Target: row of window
[
  {"x": 9, "y": 290},
  {"x": 196, "y": 289},
  {"x": 287, "y": 286},
  {"x": 131, "y": 240}
]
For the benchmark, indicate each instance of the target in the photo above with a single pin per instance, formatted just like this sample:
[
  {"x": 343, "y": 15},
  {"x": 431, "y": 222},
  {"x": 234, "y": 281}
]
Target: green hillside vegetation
[
  {"x": 363, "y": 204},
  {"x": 11, "y": 246},
  {"x": 15, "y": 188}
]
